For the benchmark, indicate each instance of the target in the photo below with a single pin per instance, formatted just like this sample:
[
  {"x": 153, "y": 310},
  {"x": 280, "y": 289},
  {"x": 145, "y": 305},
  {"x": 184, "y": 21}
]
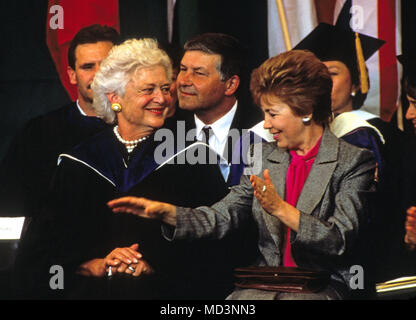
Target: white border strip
[{"x": 84, "y": 163}]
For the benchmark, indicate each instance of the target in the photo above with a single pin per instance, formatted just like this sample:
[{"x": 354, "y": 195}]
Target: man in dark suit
[
  {"x": 210, "y": 81},
  {"x": 32, "y": 157}
]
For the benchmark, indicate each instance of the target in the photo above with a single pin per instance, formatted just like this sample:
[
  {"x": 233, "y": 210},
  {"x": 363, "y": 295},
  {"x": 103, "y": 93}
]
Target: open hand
[
  {"x": 144, "y": 208},
  {"x": 266, "y": 194},
  {"x": 272, "y": 203}
]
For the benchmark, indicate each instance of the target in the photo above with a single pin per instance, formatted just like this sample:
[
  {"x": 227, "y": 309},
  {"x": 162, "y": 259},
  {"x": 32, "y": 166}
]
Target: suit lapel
[
  {"x": 277, "y": 163},
  {"x": 320, "y": 174}
]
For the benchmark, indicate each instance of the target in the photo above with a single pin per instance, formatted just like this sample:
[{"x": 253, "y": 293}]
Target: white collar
[
  {"x": 364, "y": 114},
  {"x": 80, "y": 110},
  {"x": 221, "y": 127},
  {"x": 348, "y": 121}
]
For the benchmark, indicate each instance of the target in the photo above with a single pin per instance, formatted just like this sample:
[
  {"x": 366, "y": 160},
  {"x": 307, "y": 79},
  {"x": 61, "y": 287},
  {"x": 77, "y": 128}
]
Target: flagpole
[{"x": 283, "y": 24}]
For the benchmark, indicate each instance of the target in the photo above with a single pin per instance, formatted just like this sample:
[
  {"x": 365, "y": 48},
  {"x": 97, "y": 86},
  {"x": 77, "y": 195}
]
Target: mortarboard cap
[
  {"x": 409, "y": 72},
  {"x": 408, "y": 63},
  {"x": 331, "y": 43},
  {"x": 402, "y": 59}
]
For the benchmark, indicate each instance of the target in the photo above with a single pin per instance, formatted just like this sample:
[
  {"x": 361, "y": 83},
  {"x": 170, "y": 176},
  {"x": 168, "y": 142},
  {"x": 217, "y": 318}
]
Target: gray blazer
[{"x": 332, "y": 207}]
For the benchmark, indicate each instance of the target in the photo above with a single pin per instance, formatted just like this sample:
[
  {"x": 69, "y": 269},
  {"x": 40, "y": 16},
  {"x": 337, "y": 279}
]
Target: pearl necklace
[{"x": 130, "y": 144}]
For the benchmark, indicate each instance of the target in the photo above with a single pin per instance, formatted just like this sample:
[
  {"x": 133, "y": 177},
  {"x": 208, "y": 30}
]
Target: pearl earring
[
  {"x": 353, "y": 94},
  {"x": 116, "y": 107},
  {"x": 306, "y": 120}
]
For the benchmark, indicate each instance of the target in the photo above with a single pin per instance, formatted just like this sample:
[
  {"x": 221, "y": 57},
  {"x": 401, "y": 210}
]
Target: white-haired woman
[{"x": 77, "y": 231}]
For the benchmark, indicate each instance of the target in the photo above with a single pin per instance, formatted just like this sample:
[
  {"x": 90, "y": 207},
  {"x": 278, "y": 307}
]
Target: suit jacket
[{"x": 332, "y": 209}]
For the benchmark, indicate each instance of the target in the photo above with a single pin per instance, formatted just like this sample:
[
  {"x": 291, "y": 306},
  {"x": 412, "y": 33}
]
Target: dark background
[{"x": 408, "y": 47}]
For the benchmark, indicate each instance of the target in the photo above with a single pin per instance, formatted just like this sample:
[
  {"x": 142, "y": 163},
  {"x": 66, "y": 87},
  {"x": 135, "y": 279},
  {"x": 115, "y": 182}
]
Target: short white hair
[{"x": 117, "y": 69}]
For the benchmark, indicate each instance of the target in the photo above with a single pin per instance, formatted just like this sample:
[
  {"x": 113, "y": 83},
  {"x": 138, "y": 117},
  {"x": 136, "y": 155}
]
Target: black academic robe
[
  {"x": 76, "y": 225},
  {"x": 392, "y": 148},
  {"x": 28, "y": 166},
  {"x": 391, "y": 258},
  {"x": 396, "y": 258}
]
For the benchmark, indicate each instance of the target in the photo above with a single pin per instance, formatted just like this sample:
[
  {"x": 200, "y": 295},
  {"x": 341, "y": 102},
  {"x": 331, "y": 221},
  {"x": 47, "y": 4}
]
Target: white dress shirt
[{"x": 218, "y": 139}]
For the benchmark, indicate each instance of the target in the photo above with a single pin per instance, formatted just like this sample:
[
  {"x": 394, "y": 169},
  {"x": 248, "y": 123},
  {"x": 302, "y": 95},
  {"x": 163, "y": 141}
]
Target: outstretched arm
[
  {"x": 214, "y": 222},
  {"x": 145, "y": 208}
]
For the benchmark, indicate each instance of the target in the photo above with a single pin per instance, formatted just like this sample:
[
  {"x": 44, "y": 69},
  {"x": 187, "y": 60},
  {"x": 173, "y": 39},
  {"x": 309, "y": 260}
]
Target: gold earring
[{"x": 116, "y": 107}]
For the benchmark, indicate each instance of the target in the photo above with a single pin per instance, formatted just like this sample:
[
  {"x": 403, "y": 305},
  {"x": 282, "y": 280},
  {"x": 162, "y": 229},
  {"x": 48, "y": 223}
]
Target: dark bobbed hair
[
  {"x": 297, "y": 78},
  {"x": 352, "y": 67},
  {"x": 175, "y": 53},
  {"x": 91, "y": 34},
  {"x": 409, "y": 85},
  {"x": 359, "y": 98},
  {"x": 230, "y": 50}
]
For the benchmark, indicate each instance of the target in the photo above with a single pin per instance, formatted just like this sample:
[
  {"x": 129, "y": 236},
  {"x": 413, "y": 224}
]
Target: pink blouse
[{"x": 295, "y": 179}]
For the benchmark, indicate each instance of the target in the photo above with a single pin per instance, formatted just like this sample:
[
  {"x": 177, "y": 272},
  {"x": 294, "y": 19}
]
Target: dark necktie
[{"x": 207, "y": 134}]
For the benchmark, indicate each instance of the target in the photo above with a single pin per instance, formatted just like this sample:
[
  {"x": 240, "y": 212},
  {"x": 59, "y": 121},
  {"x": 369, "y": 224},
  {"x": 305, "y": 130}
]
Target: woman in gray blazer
[{"x": 309, "y": 204}]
